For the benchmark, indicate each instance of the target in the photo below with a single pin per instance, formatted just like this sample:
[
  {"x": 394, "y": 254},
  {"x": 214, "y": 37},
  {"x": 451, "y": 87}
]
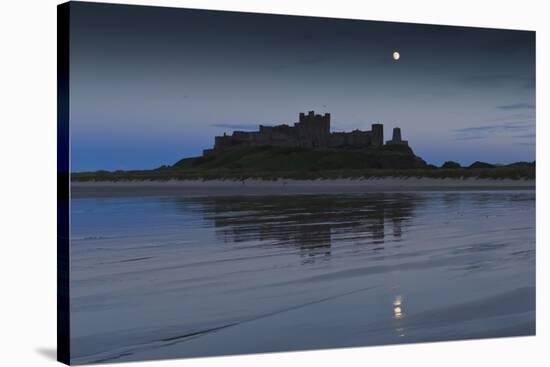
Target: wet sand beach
[
  {"x": 288, "y": 186},
  {"x": 171, "y": 276}
]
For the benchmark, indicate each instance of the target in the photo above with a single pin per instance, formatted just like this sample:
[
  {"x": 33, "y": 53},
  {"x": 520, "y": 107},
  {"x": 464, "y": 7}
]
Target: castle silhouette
[{"x": 311, "y": 131}]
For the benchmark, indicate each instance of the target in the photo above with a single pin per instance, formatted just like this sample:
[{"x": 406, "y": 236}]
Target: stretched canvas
[{"x": 233, "y": 183}]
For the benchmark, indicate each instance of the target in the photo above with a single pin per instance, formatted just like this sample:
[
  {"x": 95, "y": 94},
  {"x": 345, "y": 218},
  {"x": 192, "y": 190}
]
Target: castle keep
[{"x": 311, "y": 131}]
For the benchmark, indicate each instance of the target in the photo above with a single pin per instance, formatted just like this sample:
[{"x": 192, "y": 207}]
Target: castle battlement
[{"x": 310, "y": 131}]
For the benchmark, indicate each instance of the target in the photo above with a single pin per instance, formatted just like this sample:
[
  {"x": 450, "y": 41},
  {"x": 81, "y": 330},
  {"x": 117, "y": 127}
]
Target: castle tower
[
  {"x": 396, "y": 138},
  {"x": 377, "y": 135},
  {"x": 313, "y": 130},
  {"x": 326, "y": 123},
  {"x": 396, "y": 134}
]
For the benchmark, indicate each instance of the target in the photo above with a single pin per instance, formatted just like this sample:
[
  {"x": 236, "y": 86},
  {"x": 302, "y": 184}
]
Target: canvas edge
[{"x": 63, "y": 185}]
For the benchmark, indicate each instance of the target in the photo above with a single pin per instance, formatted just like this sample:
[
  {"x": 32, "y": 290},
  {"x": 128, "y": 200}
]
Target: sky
[{"x": 152, "y": 85}]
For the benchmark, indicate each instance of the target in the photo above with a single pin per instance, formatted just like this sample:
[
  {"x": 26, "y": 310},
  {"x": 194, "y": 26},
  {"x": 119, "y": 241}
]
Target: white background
[{"x": 28, "y": 182}]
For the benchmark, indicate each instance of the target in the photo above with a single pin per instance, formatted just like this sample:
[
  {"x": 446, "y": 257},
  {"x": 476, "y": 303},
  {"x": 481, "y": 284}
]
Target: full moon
[{"x": 396, "y": 55}]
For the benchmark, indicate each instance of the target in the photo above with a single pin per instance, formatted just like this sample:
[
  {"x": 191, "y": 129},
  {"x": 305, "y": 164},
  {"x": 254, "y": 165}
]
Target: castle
[{"x": 311, "y": 131}]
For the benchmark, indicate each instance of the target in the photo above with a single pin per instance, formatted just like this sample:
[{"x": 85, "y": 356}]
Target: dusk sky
[{"x": 152, "y": 85}]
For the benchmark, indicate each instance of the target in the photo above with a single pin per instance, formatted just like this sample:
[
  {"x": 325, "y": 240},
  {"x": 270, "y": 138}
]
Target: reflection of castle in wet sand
[{"x": 311, "y": 223}]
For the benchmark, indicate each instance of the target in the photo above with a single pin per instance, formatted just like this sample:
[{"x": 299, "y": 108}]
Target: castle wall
[
  {"x": 356, "y": 138},
  {"x": 222, "y": 142}
]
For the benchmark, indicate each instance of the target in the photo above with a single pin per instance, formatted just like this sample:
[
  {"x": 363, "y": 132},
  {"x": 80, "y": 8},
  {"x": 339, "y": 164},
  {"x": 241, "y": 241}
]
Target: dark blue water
[{"x": 168, "y": 277}]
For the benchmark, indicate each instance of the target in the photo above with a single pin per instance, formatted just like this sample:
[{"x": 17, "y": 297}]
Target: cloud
[
  {"x": 499, "y": 80},
  {"x": 527, "y": 136},
  {"x": 517, "y": 106},
  {"x": 470, "y": 137},
  {"x": 517, "y": 116},
  {"x": 498, "y": 127},
  {"x": 486, "y": 131},
  {"x": 237, "y": 126}
]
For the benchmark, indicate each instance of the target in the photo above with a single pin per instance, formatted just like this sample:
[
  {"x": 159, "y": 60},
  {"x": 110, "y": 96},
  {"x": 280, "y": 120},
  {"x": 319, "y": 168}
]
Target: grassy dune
[{"x": 273, "y": 163}]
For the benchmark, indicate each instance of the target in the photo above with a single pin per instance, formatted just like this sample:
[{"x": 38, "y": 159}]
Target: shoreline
[{"x": 219, "y": 187}]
